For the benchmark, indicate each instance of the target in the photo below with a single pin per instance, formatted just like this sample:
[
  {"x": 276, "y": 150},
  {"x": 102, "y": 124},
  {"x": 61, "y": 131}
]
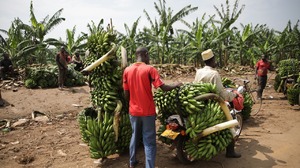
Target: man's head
[
  {"x": 142, "y": 55},
  {"x": 5, "y": 55},
  {"x": 209, "y": 58},
  {"x": 62, "y": 49},
  {"x": 264, "y": 57}
]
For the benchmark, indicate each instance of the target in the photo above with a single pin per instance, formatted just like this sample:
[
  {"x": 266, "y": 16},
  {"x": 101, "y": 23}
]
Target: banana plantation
[{"x": 27, "y": 43}]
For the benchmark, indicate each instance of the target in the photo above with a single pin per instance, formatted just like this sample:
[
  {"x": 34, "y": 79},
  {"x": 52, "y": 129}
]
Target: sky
[{"x": 274, "y": 13}]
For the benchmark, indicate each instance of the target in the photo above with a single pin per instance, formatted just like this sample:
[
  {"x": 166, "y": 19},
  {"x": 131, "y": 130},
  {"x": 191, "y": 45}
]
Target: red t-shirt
[
  {"x": 137, "y": 79},
  {"x": 262, "y": 68}
]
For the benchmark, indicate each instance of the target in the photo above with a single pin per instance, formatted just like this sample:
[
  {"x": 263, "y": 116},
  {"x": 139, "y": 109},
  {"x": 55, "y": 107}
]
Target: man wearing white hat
[{"x": 208, "y": 74}]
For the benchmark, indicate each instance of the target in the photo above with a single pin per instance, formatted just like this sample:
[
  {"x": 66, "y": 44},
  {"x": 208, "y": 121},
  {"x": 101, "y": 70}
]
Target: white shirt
[{"x": 208, "y": 74}]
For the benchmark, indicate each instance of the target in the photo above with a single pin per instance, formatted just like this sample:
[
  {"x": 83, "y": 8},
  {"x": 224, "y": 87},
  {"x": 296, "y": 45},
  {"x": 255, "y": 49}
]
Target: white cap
[{"x": 207, "y": 54}]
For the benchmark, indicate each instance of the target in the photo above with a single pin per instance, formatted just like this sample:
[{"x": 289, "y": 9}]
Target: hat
[{"x": 207, "y": 54}]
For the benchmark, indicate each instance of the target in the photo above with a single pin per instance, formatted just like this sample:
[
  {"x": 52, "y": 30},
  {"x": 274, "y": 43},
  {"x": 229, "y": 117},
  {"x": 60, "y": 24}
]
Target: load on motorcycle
[{"x": 196, "y": 121}]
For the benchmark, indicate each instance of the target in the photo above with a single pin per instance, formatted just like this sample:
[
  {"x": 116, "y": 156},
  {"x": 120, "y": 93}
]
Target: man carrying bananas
[
  {"x": 208, "y": 74},
  {"x": 137, "y": 84}
]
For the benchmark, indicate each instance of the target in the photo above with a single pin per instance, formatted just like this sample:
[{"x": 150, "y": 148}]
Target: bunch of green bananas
[
  {"x": 101, "y": 136},
  {"x": 181, "y": 100},
  {"x": 125, "y": 133},
  {"x": 227, "y": 83},
  {"x": 209, "y": 146},
  {"x": 109, "y": 131},
  {"x": 207, "y": 117},
  {"x": 100, "y": 41},
  {"x": 187, "y": 94},
  {"x": 293, "y": 95},
  {"x": 248, "y": 103},
  {"x": 83, "y": 116},
  {"x": 288, "y": 67},
  {"x": 198, "y": 115}
]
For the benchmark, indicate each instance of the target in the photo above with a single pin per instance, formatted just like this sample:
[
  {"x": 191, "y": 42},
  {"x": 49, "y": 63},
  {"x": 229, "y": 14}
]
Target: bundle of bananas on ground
[
  {"x": 286, "y": 68},
  {"x": 85, "y": 115},
  {"x": 101, "y": 135},
  {"x": 125, "y": 133},
  {"x": 293, "y": 94},
  {"x": 105, "y": 133}
]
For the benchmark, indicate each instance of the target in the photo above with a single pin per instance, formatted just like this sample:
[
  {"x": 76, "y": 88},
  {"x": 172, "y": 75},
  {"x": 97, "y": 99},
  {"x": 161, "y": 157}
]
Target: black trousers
[{"x": 262, "y": 82}]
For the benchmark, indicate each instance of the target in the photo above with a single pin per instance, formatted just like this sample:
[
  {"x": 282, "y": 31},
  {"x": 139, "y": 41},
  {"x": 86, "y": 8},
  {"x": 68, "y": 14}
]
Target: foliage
[
  {"x": 27, "y": 43},
  {"x": 47, "y": 77}
]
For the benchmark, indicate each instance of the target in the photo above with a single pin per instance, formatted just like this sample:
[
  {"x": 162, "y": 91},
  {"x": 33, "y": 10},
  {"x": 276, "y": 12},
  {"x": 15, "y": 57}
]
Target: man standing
[
  {"x": 77, "y": 61},
  {"x": 261, "y": 71},
  {"x": 6, "y": 66},
  {"x": 137, "y": 84},
  {"x": 61, "y": 60},
  {"x": 208, "y": 74}
]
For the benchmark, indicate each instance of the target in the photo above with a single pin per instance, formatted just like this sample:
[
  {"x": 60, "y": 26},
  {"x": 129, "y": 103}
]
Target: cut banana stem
[
  {"x": 116, "y": 121},
  {"x": 101, "y": 60},
  {"x": 222, "y": 103},
  {"x": 124, "y": 57},
  {"x": 219, "y": 127},
  {"x": 225, "y": 109},
  {"x": 207, "y": 96}
]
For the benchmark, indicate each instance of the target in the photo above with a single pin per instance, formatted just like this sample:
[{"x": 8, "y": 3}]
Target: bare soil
[{"x": 269, "y": 139}]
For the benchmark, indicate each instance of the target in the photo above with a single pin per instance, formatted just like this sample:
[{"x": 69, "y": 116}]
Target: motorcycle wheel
[
  {"x": 238, "y": 128},
  {"x": 180, "y": 151}
]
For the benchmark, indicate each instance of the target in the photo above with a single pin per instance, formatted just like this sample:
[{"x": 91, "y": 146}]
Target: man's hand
[
  {"x": 179, "y": 84},
  {"x": 255, "y": 77},
  {"x": 85, "y": 73},
  {"x": 236, "y": 95}
]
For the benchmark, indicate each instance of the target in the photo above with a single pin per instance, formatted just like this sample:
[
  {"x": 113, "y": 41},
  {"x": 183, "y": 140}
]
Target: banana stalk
[
  {"x": 104, "y": 58},
  {"x": 124, "y": 57},
  {"x": 116, "y": 121},
  {"x": 222, "y": 103},
  {"x": 219, "y": 127}
]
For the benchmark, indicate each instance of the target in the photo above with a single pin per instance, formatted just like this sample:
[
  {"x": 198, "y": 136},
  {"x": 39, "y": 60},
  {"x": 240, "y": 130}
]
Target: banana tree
[
  {"x": 71, "y": 43},
  {"x": 130, "y": 40},
  {"x": 227, "y": 19},
  {"x": 242, "y": 44},
  {"x": 17, "y": 45},
  {"x": 37, "y": 31},
  {"x": 198, "y": 37},
  {"x": 163, "y": 28},
  {"x": 287, "y": 42}
]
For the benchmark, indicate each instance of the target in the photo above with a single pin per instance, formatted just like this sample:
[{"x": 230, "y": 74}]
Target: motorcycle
[{"x": 176, "y": 128}]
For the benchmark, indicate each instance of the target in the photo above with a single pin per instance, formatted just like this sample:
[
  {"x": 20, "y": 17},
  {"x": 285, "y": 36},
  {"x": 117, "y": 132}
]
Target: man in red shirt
[
  {"x": 261, "y": 71},
  {"x": 137, "y": 84}
]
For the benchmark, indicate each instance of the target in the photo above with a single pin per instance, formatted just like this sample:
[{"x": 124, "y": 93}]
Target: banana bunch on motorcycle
[{"x": 189, "y": 111}]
